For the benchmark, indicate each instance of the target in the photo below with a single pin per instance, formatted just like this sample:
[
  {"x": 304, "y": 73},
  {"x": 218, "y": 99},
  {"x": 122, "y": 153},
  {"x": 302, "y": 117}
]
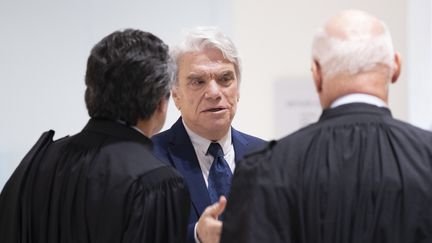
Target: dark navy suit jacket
[{"x": 175, "y": 147}]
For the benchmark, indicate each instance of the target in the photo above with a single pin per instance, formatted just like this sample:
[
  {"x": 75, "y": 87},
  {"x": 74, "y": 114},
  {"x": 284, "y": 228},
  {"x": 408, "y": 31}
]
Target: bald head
[
  {"x": 353, "y": 45},
  {"x": 350, "y": 42},
  {"x": 351, "y": 24}
]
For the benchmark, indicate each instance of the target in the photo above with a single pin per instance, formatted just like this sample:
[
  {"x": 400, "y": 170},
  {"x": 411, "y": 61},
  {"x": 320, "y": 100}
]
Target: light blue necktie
[{"x": 219, "y": 180}]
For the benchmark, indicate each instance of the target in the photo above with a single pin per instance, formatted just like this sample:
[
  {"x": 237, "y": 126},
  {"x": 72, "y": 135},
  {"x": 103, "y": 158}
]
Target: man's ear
[
  {"x": 397, "y": 67},
  {"x": 163, "y": 105},
  {"x": 317, "y": 76},
  {"x": 176, "y": 97}
]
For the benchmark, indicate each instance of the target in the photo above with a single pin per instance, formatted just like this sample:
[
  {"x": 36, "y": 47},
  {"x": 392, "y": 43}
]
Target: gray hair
[
  {"x": 354, "y": 54},
  {"x": 207, "y": 37}
]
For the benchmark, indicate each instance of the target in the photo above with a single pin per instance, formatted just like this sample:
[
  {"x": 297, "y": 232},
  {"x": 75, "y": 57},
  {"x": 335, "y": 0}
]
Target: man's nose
[{"x": 213, "y": 90}]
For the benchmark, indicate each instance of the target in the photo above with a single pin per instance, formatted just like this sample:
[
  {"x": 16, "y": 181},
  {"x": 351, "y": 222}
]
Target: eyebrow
[
  {"x": 205, "y": 75},
  {"x": 195, "y": 75},
  {"x": 226, "y": 72}
]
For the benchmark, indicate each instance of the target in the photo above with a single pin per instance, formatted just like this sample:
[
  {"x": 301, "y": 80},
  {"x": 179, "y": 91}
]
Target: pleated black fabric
[
  {"x": 101, "y": 185},
  {"x": 357, "y": 175}
]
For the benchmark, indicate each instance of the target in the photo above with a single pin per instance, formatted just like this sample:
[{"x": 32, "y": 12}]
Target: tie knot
[{"x": 215, "y": 150}]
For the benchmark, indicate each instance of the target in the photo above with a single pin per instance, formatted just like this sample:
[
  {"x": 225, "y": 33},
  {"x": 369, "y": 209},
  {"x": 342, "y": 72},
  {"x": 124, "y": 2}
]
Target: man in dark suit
[
  {"x": 356, "y": 175},
  {"x": 104, "y": 184},
  {"x": 202, "y": 145}
]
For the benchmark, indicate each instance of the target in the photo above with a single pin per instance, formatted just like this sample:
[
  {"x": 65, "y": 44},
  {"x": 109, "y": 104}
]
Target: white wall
[
  {"x": 275, "y": 40},
  {"x": 419, "y": 63}
]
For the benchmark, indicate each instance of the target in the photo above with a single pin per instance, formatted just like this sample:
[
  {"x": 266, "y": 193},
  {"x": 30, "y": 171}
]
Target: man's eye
[
  {"x": 227, "y": 78},
  {"x": 196, "y": 81}
]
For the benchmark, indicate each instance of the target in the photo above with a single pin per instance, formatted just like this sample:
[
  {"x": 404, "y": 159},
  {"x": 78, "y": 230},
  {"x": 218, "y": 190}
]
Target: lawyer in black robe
[
  {"x": 357, "y": 175},
  {"x": 103, "y": 184}
]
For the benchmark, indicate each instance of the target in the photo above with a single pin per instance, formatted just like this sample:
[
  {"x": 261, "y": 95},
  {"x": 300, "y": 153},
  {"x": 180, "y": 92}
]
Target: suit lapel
[
  {"x": 183, "y": 155},
  {"x": 185, "y": 161},
  {"x": 240, "y": 145}
]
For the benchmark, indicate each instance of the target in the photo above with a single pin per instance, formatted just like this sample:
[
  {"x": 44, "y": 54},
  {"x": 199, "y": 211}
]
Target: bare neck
[
  {"x": 147, "y": 127},
  {"x": 372, "y": 83}
]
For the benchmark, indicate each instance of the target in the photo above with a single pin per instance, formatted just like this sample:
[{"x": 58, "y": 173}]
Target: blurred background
[{"x": 44, "y": 46}]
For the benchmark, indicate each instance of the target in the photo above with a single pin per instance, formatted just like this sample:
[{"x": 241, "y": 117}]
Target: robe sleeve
[
  {"x": 158, "y": 208},
  {"x": 11, "y": 225},
  {"x": 256, "y": 193}
]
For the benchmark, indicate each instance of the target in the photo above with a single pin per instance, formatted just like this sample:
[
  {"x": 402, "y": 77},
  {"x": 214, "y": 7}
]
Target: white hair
[
  {"x": 205, "y": 37},
  {"x": 354, "y": 54}
]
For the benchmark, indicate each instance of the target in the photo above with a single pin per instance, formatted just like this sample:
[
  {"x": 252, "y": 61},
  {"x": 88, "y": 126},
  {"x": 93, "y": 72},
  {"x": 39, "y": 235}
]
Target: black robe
[
  {"x": 102, "y": 185},
  {"x": 357, "y": 175}
]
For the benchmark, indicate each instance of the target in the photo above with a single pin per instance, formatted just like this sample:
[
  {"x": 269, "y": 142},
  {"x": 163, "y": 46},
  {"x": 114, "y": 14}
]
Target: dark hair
[{"x": 128, "y": 73}]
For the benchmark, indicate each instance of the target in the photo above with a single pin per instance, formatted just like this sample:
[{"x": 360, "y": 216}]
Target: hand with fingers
[{"x": 209, "y": 227}]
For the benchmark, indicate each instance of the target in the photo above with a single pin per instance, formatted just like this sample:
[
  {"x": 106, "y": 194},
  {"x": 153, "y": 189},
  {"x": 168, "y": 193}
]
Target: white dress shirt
[
  {"x": 205, "y": 160},
  {"x": 358, "y": 97}
]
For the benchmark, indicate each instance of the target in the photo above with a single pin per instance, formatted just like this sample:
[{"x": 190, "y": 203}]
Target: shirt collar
[
  {"x": 134, "y": 127},
  {"x": 203, "y": 144},
  {"x": 356, "y": 98}
]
